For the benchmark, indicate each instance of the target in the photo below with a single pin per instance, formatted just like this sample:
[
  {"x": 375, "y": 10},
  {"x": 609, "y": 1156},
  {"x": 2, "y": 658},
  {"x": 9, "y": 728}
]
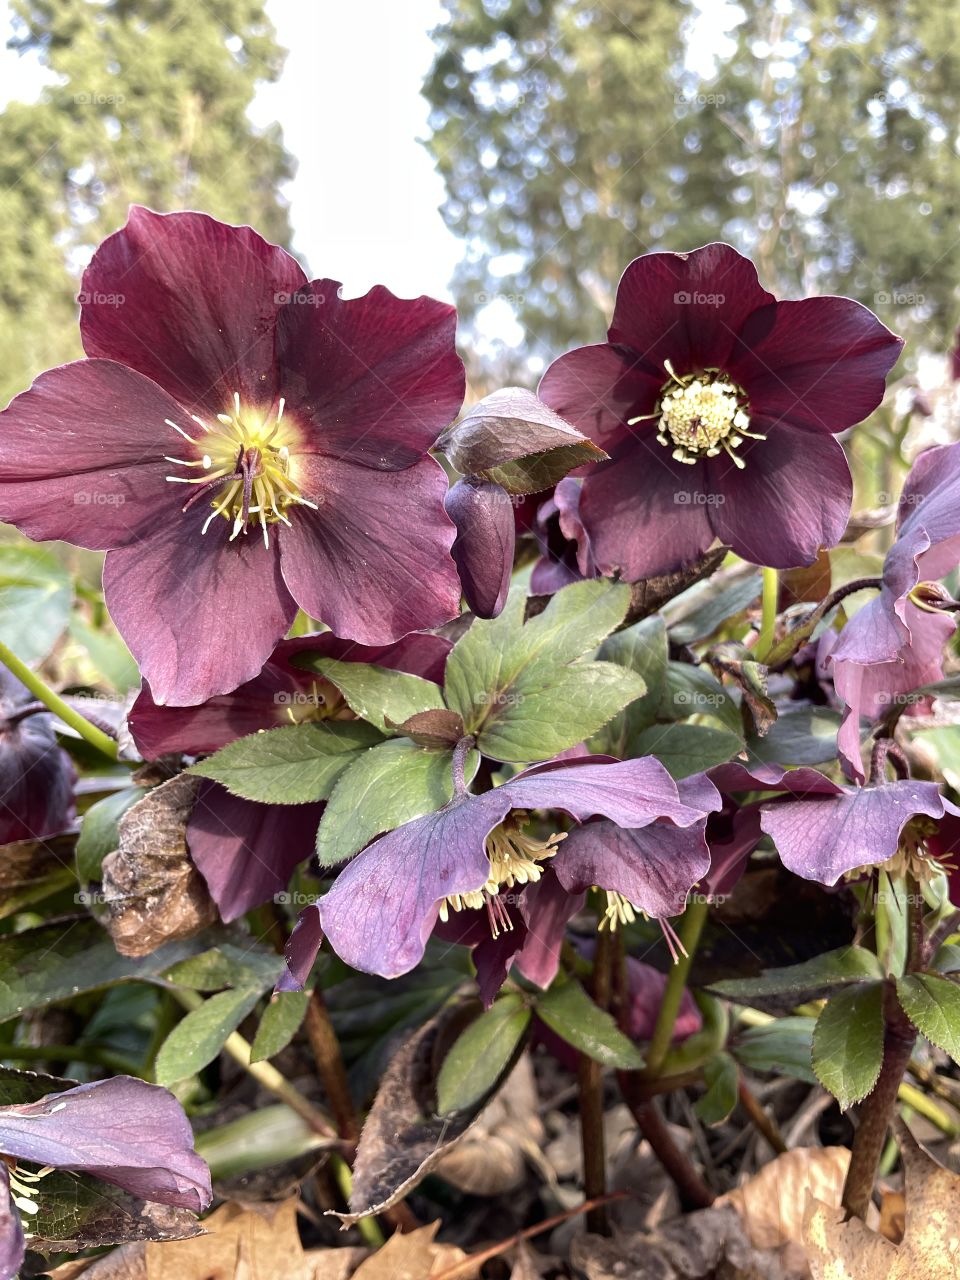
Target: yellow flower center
[
  {"x": 912, "y": 858},
  {"x": 244, "y": 466},
  {"x": 514, "y": 859},
  {"x": 701, "y": 415}
]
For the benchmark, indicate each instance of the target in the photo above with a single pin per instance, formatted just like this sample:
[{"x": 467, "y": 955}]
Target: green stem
[
  {"x": 768, "y": 621},
  {"x": 71, "y": 1053},
  {"x": 691, "y": 926},
  {"x": 89, "y": 732},
  {"x": 369, "y": 1228}
]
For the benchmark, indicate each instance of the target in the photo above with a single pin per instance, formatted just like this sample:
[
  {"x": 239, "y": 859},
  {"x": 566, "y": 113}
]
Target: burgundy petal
[
  {"x": 378, "y": 377},
  {"x": 374, "y": 561},
  {"x": 245, "y": 851},
  {"x": 546, "y": 907},
  {"x": 484, "y": 545},
  {"x": 599, "y": 388},
  {"x": 301, "y": 950},
  {"x": 823, "y": 837},
  {"x": 492, "y": 956},
  {"x": 125, "y": 1131},
  {"x": 686, "y": 308},
  {"x": 792, "y": 497},
  {"x": 81, "y": 456},
  {"x": 198, "y": 306},
  {"x": 654, "y": 867},
  {"x": 12, "y": 1245},
  {"x": 419, "y": 653},
  {"x": 200, "y": 614},
  {"x": 646, "y": 514},
  {"x": 820, "y": 363}
]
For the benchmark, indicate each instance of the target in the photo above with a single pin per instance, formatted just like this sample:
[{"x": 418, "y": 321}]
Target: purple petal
[
  {"x": 792, "y": 497},
  {"x": 646, "y": 514},
  {"x": 200, "y": 614},
  {"x": 492, "y": 956},
  {"x": 12, "y": 1245},
  {"x": 654, "y": 867},
  {"x": 599, "y": 388},
  {"x": 246, "y": 851},
  {"x": 419, "y": 653},
  {"x": 81, "y": 456},
  {"x": 199, "y": 306},
  {"x": 546, "y": 908},
  {"x": 301, "y": 950},
  {"x": 646, "y": 987},
  {"x": 686, "y": 307},
  {"x": 823, "y": 837},
  {"x": 484, "y": 545},
  {"x": 820, "y": 363},
  {"x": 374, "y": 562},
  {"x": 735, "y": 777},
  {"x": 378, "y": 377},
  {"x": 36, "y": 777},
  {"x": 731, "y": 837},
  {"x": 132, "y": 1134}
]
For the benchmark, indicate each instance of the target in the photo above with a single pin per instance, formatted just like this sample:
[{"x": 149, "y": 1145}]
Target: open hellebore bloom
[
  {"x": 468, "y": 858},
  {"x": 123, "y": 1131},
  {"x": 36, "y": 775},
  {"x": 241, "y": 441},
  {"x": 565, "y": 552},
  {"x": 894, "y": 644},
  {"x": 824, "y": 831},
  {"x": 718, "y": 406},
  {"x": 245, "y": 851}
]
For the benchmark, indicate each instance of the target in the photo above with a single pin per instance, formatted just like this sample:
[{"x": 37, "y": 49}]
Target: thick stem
[
  {"x": 691, "y": 926},
  {"x": 333, "y": 1073},
  {"x": 761, "y": 1120},
  {"x": 877, "y": 1110},
  {"x": 768, "y": 621},
  {"x": 694, "y": 1192},
  {"x": 886, "y": 751},
  {"x": 89, "y": 732},
  {"x": 459, "y": 758},
  {"x": 590, "y": 1084}
]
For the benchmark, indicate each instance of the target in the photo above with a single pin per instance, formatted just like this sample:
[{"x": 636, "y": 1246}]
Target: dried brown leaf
[
  {"x": 152, "y": 889},
  {"x": 411, "y": 1256},
  {"x": 772, "y": 1203}
]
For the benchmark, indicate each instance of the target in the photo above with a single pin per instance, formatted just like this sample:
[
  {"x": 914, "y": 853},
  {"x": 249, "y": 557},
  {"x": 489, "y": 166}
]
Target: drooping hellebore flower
[
  {"x": 246, "y": 851},
  {"x": 123, "y": 1131},
  {"x": 824, "y": 831},
  {"x": 718, "y": 406},
  {"x": 469, "y": 857},
  {"x": 36, "y": 774},
  {"x": 894, "y": 644},
  {"x": 565, "y": 552},
  {"x": 241, "y": 441},
  {"x": 485, "y": 542}
]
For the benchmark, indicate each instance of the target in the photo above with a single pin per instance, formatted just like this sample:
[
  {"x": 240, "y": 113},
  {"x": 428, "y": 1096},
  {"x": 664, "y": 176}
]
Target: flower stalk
[{"x": 101, "y": 741}]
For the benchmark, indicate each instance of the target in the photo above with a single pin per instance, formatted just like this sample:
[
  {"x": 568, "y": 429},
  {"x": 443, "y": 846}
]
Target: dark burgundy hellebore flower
[
  {"x": 247, "y": 851},
  {"x": 386, "y": 902},
  {"x": 36, "y": 775},
  {"x": 565, "y": 552},
  {"x": 485, "y": 542},
  {"x": 718, "y": 406},
  {"x": 241, "y": 441},
  {"x": 823, "y": 831},
  {"x": 123, "y": 1131},
  {"x": 894, "y": 644}
]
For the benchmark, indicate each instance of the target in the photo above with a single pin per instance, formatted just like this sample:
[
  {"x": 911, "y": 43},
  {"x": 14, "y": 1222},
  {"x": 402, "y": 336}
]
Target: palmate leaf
[{"x": 522, "y": 688}]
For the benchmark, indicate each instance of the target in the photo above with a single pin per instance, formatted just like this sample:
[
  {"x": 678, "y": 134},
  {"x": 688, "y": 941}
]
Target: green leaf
[
  {"x": 946, "y": 747},
  {"x": 296, "y": 764},
  {"x": 689, "y": 690},
  {"x": 569, "y": 1011},
  {"x": 98, "y": 831},
  {"x": 197, "y": 1039},
  {"x": 807, "y": 736},
  {"x": 36, "y": 593},
  {"x": 709, "y": 608},
  {"x": 228, "y": 965},
  {"x": 933, "y": 1006},
  {"x": 384, "y": 697},
  {"x": 687, "y": 748},
  {"x": 111, "y": 657},
  {"x": 280, "y": 1023},
  {"x": 542, "y": 470},
  {"x": 722, "y": 1078},
  {"x": 481, "y": 1056},
  {"x": 812, "y": 979},
  {"x": 389, "y": 785},
  {"x": 519, "y": 686},
  {"x": 256, "y": 1140},
  {"x": 643, "y": 649},
  {"x": 783, "y": 1047},
  {"x": 848, "y": 1043}
]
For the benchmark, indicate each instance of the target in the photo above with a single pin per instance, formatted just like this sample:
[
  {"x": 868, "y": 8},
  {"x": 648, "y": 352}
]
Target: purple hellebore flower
[
  {"x": 823, "y": 831},
  {"x": 718, "y": 405},
  {"x": 36, "y": 775},
  {"x": 245, "y": 851},
  {"x": 123, "y": 1131},
  {"x": 485, "y": 542},
  {"x": 894, "y": 644},
  {"x": 386, "y": 902},
  {"x": 241, "y": 441},
  {"x": 565, "y": 553}
]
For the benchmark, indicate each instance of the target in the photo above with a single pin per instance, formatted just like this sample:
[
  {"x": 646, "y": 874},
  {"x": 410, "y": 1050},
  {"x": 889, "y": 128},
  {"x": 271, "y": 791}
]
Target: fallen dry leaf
[
  {"x": 153, "y": 891},
  {"x": 772, "y": 1203},
  {"x": 700, "y": 1246},
  {"x": 412, "y": 1256},
  {"x": 930, "y": 1249}
]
